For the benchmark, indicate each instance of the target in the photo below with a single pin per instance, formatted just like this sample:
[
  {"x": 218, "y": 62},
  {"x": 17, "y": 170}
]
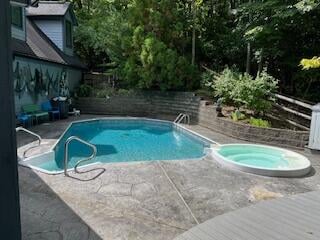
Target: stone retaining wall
[
  {"x": 152, "y": 104},
  {"x": 279, "y": 137},
  {"x": 143, "y": 104}
]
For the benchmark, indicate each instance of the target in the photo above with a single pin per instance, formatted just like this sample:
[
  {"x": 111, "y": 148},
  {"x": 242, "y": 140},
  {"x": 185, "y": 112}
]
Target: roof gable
[
  {"x": 49, "y": 9},
  {"x": 39, "y": 46}
]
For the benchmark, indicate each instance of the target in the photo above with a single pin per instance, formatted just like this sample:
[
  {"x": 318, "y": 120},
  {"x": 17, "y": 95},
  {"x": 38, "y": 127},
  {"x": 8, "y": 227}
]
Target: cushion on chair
[{"x": 46, "y": 106}]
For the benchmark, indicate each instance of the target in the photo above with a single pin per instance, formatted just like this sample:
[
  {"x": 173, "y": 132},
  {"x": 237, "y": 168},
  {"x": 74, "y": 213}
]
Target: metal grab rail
[
  {"x": 66, "y": 153},
  {"x": 30, "y": 132},
  {"x": 182, "y": 116},
  {"x": 178, "y": 117}
]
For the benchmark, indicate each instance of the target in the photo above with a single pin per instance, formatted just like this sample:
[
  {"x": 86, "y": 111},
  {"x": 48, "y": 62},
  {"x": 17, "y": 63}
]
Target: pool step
[{"x": 31, "y": 149}]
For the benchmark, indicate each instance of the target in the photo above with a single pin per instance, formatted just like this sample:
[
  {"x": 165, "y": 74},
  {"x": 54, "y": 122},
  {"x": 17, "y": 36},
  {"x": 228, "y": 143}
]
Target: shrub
[
  {"x": 258, "y": 122},
  {"x": 154, "y": 65},
  {"x": 84, "y": 90},
  {"x": 222, "y": 83},
  {"x": 255, "y": 94},
  {"x": 105, "y": 92},
  {"x": 243, "y": 90},
  {"x": 237, "y": 115}
]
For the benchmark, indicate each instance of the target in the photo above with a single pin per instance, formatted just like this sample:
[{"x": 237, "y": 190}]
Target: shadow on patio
[{"x": 45, "y": 216}]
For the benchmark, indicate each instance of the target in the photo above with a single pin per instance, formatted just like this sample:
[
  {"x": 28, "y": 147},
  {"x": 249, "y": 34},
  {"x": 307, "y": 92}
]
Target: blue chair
[
  {"x": 25, "y": 120},
  {"x": 46, "y": 106}
]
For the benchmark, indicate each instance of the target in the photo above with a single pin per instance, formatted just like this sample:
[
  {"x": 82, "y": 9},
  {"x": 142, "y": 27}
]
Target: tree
[
  {"x": 281, "y": 33},
  {"x": 142, "y": 37}
]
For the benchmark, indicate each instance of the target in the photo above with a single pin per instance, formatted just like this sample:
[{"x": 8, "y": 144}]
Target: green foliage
[
  {"x": 84, "y": 90},
  {"x": 150, "y": 41},
  {"x": 222, "y": 83},
  {"x": 125, "y": 92},
  {"x": 255, "y": 94},
  {"x": 307, "y": 5},
  {"x": 307, "y": 82},
  {"x": 104, "y": 92},
  {"x": 145, "y": 38},
  {"x": 242, "y": 90},
  {"x": 219, "y": 41},
  {"x": 258, "y": 122},
  {"x": 281, "y": 33},
  {"x": 310, "y": 63},
  {"x": 237, "y": 116},
  {"x": 156, "y": 65}
]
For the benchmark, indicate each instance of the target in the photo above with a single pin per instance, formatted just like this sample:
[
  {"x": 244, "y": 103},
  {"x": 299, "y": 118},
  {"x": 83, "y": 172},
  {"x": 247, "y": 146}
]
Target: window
[
  {"x": 68, "y": 34},
  {"x": 16, "y": 16}
]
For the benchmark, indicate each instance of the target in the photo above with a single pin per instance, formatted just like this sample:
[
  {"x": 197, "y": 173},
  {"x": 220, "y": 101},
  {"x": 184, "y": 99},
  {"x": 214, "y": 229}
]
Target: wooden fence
[
  {"x": 295, "y": 112},
  {"x": 100, "y": 79}
]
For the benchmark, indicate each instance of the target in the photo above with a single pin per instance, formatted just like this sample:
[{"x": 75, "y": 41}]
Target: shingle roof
[
  {"x": 49, "y": 8},
  {"x": 39, "y": 46},
  {"x": 22, "y": 48}
]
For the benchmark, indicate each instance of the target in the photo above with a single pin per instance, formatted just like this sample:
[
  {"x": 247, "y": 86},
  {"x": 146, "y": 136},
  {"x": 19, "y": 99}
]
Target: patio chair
[
  {"x": 34, "y": 112},
  {"x": 25, "y": 120},
  {"x": 46, "y": 106}
]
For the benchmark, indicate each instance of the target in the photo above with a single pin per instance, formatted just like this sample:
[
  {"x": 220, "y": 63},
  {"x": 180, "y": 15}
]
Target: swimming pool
[
  {"x": 122, "y": 140},
  {"x": 262, "y": 160}
]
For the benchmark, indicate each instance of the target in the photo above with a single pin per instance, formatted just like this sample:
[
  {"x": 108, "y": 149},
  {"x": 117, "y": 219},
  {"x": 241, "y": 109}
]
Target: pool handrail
[
  {"x": 30, "y": 132},
  {"x": 66, "y": 153},
  {"x": 183, "y": 116}
]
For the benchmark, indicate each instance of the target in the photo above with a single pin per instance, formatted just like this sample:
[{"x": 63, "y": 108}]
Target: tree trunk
[
  {"x": 248, "y": 64},
  {"x": 260, "y": 65},
  {"x": 193, "y": 33}
]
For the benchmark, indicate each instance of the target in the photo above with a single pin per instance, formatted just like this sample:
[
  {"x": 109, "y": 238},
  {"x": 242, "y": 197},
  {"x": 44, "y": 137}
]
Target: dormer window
[
  {"x": 17, "y": 16},
  {"x": 68, "y": 34}
]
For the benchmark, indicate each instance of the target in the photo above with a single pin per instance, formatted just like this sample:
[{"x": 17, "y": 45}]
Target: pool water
[
  {"x": 123, "y": 140},
  {"x": 262, "y": 159},
  {"x": 254, "y": 155}
]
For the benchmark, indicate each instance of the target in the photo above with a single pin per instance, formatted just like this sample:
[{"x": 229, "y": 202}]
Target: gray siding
[
  {"x": 24, "y": 2},
  {"x": 17, "y": 32},
  {"x": 53, "y": 29},
  {"x": 26, "y": 97},
  {"x": 67, "y": 50}
]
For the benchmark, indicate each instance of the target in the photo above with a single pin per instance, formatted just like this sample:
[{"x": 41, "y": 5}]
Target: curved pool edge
[
  {"x": 40, "y": 157},
  {"x": 270, "y": 172}
]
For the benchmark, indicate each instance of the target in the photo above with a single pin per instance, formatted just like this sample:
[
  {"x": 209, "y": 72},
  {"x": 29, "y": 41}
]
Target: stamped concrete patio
[{"x": 140, "y": 200}]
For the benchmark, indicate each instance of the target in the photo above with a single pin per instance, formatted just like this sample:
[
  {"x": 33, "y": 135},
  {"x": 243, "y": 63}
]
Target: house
[{"x": 44, "y": 62}]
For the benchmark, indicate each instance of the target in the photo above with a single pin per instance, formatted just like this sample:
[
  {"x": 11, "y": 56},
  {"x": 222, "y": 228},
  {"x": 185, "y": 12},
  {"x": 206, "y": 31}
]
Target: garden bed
[
  {"x": 275, "y": 136},
  {"x": 271, "y": 120}
]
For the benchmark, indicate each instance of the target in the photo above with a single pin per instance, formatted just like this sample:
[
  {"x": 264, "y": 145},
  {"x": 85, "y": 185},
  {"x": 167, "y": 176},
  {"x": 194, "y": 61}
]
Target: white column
[{"x": 314, "y": 137}]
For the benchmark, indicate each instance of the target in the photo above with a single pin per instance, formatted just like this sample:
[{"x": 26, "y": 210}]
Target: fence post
[{"x": 314, "y": 137}]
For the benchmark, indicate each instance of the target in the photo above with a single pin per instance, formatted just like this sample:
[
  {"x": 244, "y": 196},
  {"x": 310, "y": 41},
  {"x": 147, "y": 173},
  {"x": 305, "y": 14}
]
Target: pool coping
[{"x": 23, "y": 162}]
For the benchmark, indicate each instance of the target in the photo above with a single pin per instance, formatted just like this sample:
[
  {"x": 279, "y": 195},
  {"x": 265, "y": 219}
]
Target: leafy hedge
[{"x": 242, "y": 90}]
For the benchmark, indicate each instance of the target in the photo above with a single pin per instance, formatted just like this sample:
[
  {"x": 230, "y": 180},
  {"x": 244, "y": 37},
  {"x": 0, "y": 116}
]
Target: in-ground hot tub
[{"x": 262, "y": 160}]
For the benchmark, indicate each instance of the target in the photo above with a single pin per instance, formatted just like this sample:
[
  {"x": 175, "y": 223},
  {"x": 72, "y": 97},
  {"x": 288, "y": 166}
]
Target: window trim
[
  {"x": 20, "y": 25},
  {"x": 69, "y": 44}
]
